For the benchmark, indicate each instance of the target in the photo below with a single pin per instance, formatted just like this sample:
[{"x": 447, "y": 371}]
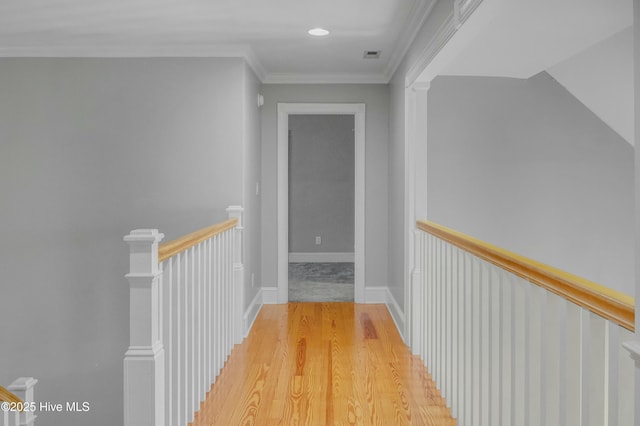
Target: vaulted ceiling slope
[
  {"x": 271, "y": 35},
  {"x": 586, "y": 45}
]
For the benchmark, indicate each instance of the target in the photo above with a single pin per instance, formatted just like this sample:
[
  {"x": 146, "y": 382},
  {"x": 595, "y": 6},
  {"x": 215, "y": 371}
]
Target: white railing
[
  {"x": 18, "y": 404},
  {"x": 186, "y": 317},
  {"x": 505, "y": 349}
]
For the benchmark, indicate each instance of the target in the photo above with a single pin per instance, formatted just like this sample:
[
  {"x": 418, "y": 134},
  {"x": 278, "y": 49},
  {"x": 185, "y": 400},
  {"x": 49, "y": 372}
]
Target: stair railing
[
  {"x": 186, "y": 300},
  {"x": 513, "y": 341}
]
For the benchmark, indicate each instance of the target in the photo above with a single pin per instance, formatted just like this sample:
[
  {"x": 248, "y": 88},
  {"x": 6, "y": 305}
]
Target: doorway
[
  {"x": 321, "y": 207},
  {"x": 357, "y": 112}
]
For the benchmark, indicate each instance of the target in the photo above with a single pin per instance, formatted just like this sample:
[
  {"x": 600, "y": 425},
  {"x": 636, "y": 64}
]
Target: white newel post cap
[
  {"x": 236, "y": 212},
  {"x": 144, "y": 250},
  {"x": 22, "y": 387}
]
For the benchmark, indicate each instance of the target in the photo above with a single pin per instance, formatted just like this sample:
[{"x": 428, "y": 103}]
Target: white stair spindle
[
  {"x": 597, "y": 370},
  {"x": 534, "y": 352},
  {"x": 508, "y": 340},
  {"x": 495, "y": 357}
]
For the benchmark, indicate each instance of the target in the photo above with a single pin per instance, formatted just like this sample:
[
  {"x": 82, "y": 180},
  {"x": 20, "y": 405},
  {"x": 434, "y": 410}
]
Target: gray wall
[
  {"x": 90, "y": 149},
  {"x": 524, "y": 165},
  {"x": 252, "y": 153},
  {"x": 396, "y": 206},
  {"x": 376, "y": 98},
  {"x": 321, "y": 183}
]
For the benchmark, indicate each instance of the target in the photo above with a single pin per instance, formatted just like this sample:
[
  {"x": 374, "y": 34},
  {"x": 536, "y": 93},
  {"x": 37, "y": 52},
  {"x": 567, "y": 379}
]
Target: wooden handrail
[
  {"x": 171, "y": 248},
  {"x": 603, "y": 301},
  {"x": 6, "y": 396}
]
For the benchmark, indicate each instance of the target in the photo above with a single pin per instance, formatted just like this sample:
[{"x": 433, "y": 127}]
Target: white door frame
[{"x": 284, "y": 110}]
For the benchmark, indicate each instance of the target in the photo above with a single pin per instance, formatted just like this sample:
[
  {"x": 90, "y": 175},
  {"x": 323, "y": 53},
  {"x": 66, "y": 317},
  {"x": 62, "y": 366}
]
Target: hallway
[{"x": 323, "y": 364}]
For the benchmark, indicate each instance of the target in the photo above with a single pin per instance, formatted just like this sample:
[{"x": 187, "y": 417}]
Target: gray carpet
[{"x": 321, "y": 282}]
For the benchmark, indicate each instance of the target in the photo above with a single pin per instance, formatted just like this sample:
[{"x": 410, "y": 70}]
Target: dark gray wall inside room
[{"x": 321, "y": 183}]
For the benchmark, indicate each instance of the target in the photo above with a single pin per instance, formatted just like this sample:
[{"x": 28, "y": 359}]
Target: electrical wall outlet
[
  {"x": 318, "y": 240},
  {"x": 253, "y": 280}
]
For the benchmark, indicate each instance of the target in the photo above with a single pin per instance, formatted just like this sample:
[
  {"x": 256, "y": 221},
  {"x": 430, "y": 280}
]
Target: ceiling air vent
[{"x": 371, "y": 54}]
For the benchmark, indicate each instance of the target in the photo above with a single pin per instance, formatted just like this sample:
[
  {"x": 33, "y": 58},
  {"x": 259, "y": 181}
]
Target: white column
[
  {"x": 238, "y": 274},
  {"x": 144, "y": 361},
  {"x": 415, "y": 205},
  {"x": 22, "y": 387},
  {"x": 634, "y": 346}
]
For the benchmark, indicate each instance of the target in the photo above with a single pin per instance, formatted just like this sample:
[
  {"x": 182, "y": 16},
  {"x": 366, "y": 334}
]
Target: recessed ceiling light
[{"x": 318, "y": 32}]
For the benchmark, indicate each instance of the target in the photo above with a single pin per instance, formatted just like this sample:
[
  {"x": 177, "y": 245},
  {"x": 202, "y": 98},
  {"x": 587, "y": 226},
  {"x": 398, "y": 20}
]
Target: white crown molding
[
  {"x": 461, "y": 12},
  {"x": 152, "y": 51},
  {"x": 342, "y": 78},
  {"x": 418, "y": 15}
]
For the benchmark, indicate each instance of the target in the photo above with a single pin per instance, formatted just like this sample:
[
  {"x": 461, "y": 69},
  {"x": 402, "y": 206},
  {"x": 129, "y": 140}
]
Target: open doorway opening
[
  {"x": 321, "y": 208},
  {"x": 356, "y": 113}
]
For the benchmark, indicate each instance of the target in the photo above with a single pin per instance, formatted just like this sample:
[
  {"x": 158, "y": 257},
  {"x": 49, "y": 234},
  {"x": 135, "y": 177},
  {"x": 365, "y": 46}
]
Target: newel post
[
  {"x": 238, "y": 274},
  {"x": 144, "y": 360},
  {"x": 22, "y": 387}
]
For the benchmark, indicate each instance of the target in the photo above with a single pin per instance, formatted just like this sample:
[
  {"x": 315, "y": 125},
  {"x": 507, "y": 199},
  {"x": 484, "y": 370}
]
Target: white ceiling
[
  {"x": 272, "y": 34},
  {"x": 528, "y": 36}
]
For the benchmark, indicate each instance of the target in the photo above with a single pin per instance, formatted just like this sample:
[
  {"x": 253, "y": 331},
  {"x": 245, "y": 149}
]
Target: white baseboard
[
  {"x": 396, "y": 313},
  {"x": 383, "y": 295},
  {"x": 270, "y": 295},
  {"x": 252, "y": 312},
  {"x": 321, "y": 257}
]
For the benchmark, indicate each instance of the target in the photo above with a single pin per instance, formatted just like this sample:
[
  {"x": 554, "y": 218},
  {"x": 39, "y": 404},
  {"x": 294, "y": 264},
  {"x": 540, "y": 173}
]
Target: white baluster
[
  {"x": 508, "y": 342},
  {"x": 455, "y": 329},
  {"x": 585, "y": 366},
  {"x": 518, "y": 355},
  {"x": 475, "y": 342},
  {"x": 485, "y": 343},
  {"x": 573, "y": 363},
  {"x": 175, "y": 388},
  {"x": 144, "y": 379},
  {"x": 612, "y": 397},
  {"x": 167, "y": 334},
  {"x": 597, "y": 370},
  {"x": 468, "y": 340},
  {"x": 534, "y": 351},
  {"x": 495, "y": 346},
  {"x": 460, "y": 367},
  {"x": 551, "y": 370},
  {"x": 446, "y": 356},
  {"x": 180, "y": 339}
]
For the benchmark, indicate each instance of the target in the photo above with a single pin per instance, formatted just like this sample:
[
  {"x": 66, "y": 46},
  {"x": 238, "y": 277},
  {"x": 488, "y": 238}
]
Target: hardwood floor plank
[{"x": 323, "y": 364}]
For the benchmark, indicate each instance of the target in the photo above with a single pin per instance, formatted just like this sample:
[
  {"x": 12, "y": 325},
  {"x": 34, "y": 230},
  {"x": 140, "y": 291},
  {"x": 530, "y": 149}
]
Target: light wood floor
[{"x": 323, "y": 364}]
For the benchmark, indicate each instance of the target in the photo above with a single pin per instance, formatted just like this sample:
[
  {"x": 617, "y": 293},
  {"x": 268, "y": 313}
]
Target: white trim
[
  {"x": 458, "y": 16},
  {"x": 384, "y": 295},
  {"x": 333, "y": 78},
  {"x": 269, "y": 295},
  {"x": 396, "y": 313},
  {"x": 251, "y": 312},
  {"x": 284, "y": 110},
  {"x": 447, "y": 29},
  {"x": 418, "y": 16},
  {"x": 321, "y": 257}
]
